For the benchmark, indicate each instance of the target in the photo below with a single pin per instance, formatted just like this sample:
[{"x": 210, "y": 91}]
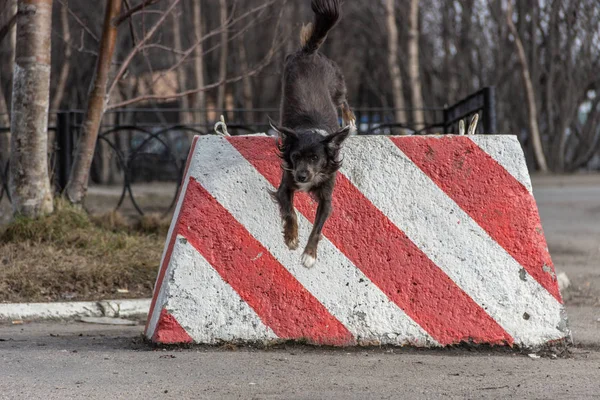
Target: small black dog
[{"x": 311, "y": 138}]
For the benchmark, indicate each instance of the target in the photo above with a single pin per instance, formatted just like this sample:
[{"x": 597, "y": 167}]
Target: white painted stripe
[
  {"x": 452, "y": 240},
  {"x": 160, "y": 300},
  {"x": 341, "y": 287},
  {"x": 208, "y": 308},
  {"x": 507, "y": 151}
]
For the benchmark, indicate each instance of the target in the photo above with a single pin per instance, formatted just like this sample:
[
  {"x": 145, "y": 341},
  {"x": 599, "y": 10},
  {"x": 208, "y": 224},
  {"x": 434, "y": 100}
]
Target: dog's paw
[
  {"x": 308, "y": 261},
  {"x": 291, "y": 242}
]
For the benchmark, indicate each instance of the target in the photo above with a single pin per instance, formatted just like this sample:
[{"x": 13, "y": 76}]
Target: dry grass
[{"x": 72, "y": 256}]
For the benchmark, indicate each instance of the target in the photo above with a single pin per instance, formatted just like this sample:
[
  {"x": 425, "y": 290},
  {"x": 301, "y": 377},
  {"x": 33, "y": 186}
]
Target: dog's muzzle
[{"x": 302, "y": 177}]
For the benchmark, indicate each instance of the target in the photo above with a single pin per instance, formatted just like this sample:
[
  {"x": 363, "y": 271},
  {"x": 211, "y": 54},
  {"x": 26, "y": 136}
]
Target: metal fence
[{"x": 141, "y": 146}]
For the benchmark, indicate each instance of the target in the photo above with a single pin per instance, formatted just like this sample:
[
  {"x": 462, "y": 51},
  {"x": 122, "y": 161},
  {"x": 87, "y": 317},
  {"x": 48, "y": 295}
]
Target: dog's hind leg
[
  {"x": 339, "y": 95},
  {"x": 284, "y": 197},
  {"x": 348, "y": 116}
]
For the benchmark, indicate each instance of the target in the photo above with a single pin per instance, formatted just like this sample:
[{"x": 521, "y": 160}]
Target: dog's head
[{"x": 311, "y": 155}]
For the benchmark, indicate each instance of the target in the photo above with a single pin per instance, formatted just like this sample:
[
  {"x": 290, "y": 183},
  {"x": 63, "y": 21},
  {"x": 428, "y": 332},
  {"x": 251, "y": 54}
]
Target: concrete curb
[{"x": 68, "y": 310}]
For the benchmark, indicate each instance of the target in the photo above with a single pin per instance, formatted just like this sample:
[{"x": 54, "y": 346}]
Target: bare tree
[
  {"x": 223, "y": 57},
  {"x": 250, "y": 17},
  {"x": 181, "y": 72},
  {"x": 414, "y": 63},
  {"x": 529, "y": 91},
  {"x": 78, "y": 180},
  {"x": 247, "y": 85},
  {"x": 8, "y": 22},
  {"x": 394, "y": 67},
  {"x": 66, "y": 62},
  {"x": 29, "y": 183},
  {"x": 200, "y": 97}
]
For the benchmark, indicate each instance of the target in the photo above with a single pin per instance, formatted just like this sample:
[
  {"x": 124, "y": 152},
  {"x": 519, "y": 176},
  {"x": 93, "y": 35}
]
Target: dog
[{"x": 310, "y": 136}]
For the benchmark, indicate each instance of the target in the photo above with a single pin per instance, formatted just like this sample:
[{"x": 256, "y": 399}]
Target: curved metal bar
[
  {"x": 401, "y": 126},
  {"x": 191, "y": 129},
  {"x": 244, "y": 128},
  {"x": 389, "y": 125},
  {"x": 174, "y": 201},
  {"x": 152, "y": 136},
  {"x": 139, "y": 151},
  {"x": 121, "y": 161},
  {"x": 4, "y": 183},
  {"x": 124, "y": 165},
  {"x": 124, "y": 128},
  {"x": 132, "y": 197},
  {"x": 178, "y": 167}
]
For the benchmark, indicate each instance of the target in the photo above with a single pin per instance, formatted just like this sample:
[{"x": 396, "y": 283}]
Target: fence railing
[{"x": 140, "y": 146}]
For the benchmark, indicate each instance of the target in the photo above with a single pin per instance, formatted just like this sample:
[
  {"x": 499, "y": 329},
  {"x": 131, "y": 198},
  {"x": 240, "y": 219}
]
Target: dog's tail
[{"x": 327, "y": 14}]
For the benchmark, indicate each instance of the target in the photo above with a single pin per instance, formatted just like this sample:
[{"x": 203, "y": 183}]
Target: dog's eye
[{"x": 314, "y": 157}]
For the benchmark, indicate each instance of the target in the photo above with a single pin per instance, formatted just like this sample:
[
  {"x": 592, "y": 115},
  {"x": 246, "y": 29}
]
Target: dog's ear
[
  {"x": 284, "y": 133},
  {"x": 335, "y": 140}
]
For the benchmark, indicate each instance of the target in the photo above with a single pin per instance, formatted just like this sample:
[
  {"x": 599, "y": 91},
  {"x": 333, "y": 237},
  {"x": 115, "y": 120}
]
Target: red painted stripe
[
  {"x": 280, "y": 301},
  {"x": 388, "y": 258},
  {"x": 486, "y": 191},
  {"x": 169, "y": 331},
  {"x": 170, "y": 242}
]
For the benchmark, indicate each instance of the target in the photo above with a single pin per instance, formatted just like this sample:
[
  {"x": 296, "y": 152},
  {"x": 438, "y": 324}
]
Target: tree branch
[
  {"x": 275, "y": 46},
  {"x": 79, "y": 21},
  {"x": 190, "y": 50},
  {"x": 266, "y": 61},
  {"x": 5, "y": 30},
  {"x": 137, "y": 47},
  {"x": 130, "y": 12}
]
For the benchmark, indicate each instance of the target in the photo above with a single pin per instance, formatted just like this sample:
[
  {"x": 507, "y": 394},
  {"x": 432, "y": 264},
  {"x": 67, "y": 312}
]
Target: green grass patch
[{"x": 71, "y": 256}]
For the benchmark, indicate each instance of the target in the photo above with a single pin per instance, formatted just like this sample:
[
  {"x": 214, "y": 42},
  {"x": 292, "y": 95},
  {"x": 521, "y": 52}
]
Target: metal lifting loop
[{"x": 221, "y": 127}]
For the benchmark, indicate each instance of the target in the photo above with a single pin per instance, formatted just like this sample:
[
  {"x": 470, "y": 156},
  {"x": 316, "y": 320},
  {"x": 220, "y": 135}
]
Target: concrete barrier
[{"x": 433, "y": 241}]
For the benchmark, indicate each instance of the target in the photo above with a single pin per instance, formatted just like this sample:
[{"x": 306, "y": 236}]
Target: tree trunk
[
  {"x": 11, "y": 10},
  {"x": 29, "y": 183},
  {"x": 246, "y": 86},
  {"x": 181, "y": 71},
  {"x": 394, "y": 67},
  {"x": 447, "y": 93},
  {"x": 78, "y": 181},
  {"x": 66, "y": 62},
  {"x": 4, "y": 136},
  {"x": 200, "y": 97},
  {"x": 223, "y": 57},
  {"x": 464, "y": 51},
  {"x": 413, "y": 61},
  {"x": 531, "y": 103}
]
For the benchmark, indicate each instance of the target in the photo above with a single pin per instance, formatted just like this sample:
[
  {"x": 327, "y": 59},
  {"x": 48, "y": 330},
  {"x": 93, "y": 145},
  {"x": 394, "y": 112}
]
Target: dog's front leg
[
  {"x": 309, "y": 258},
  {"x": 285, "y": 198}
]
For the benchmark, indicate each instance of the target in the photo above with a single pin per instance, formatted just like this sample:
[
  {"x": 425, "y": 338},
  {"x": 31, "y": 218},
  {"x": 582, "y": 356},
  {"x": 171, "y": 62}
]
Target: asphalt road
[
  {"x": 82, "y": 361},
  {"x": 79, "y": 361}
]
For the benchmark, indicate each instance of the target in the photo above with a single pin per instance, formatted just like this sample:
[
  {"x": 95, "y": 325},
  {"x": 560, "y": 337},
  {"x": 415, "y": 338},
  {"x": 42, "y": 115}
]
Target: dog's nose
[{"x": 302, "y": 177}]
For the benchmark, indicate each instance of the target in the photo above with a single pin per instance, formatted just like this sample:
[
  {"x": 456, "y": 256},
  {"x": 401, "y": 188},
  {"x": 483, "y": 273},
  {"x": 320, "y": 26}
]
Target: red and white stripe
[{"x": 433, "y": 241}]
